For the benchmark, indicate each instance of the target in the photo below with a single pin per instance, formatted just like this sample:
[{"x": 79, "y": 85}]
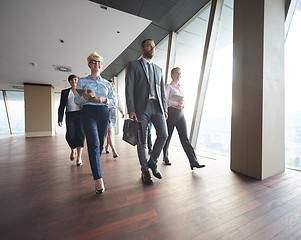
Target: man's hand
[
  {"x": 60, "y": 124},
  {"x": 132, "y": 115},
  {"x": 165, "y": 115}
]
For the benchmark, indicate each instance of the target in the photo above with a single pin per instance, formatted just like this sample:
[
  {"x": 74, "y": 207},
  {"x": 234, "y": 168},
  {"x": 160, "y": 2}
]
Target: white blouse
[
  {"x": 174, "y": 93},
  {"x": 71, "y": 106}
]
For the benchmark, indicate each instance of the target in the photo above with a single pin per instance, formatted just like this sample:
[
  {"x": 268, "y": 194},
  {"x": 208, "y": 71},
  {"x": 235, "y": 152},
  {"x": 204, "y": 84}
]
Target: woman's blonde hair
[{"x": 94, "y": 54}]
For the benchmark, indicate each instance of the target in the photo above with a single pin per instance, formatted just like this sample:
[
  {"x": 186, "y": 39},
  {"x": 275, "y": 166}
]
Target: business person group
[{"x": 147, "y": 100}]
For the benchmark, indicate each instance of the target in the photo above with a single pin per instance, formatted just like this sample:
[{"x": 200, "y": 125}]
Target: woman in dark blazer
[{"x": 74, "y": 135}]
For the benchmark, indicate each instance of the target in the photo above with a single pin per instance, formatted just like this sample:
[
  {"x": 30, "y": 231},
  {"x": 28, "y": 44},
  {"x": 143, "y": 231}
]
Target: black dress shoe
[
  {"x": 146, "y": 178},
  {"x": 155, "y": 171},
  {"x": 166, "y": 161},
  {"x": 196, "y": 164}
]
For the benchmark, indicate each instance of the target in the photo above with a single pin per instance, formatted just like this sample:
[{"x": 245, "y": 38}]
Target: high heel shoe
[
  {"x": 196, "y": 165},
  {"x": 79, "y": 162},
  {"x": 115, "y": 154},
  {"x": 107, "y": 150},
  {"x": 100, "y": 191},
  {"x": 72, "y": 156}
]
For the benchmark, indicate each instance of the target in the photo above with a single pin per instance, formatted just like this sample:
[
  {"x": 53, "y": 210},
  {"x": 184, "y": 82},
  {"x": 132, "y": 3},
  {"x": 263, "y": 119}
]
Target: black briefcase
[{"x": 132, "y": 132}]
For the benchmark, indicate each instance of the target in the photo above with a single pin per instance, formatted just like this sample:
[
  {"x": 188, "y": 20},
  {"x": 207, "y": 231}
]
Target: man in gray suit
[{"x": 146, "y": 101}]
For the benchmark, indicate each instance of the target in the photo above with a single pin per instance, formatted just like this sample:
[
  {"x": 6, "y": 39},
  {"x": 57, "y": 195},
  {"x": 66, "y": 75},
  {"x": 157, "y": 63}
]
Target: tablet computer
[
  {"x": 81, "y": 91},
  {"x": 177, "y": 98}
]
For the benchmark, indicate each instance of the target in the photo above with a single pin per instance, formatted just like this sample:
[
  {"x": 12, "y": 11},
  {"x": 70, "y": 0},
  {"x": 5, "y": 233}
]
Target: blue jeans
[
  {"x": 95, "y": 121},
  {"x": 152, "y": 113}
]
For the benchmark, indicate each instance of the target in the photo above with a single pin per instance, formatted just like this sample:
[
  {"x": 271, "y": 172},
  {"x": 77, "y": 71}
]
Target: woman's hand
[
  {"x": 99, "y": 100},
  {"x": 180, "y": 104}
]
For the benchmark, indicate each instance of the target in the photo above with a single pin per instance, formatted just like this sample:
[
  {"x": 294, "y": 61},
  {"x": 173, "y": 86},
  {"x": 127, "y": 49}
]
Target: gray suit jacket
[{"x": 137, "y": 87}]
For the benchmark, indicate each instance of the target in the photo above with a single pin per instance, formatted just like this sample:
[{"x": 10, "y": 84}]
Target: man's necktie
[{"x": 151, "y": 80}]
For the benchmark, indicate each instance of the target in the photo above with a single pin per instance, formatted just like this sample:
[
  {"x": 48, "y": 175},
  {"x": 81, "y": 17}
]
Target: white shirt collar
[{"x": 145, "y": 61}]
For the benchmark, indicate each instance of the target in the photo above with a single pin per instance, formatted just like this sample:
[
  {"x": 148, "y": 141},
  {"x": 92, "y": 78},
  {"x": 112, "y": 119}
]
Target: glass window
[
  {"x": 15, "y": 101},
  {"x": 292, "y": 92},
  {"x": 189, "y": 54},
  {"x": 161, "y": 55},
  {"x": 57, "y": 99},
  {"x": 4, "y": 128},
  {"x": 160, "y": 60},
  {"x": 215, "y": 129}
]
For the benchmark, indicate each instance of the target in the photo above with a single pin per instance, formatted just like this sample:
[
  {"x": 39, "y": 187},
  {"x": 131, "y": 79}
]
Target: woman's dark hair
[{"x": 71, "y": 77}]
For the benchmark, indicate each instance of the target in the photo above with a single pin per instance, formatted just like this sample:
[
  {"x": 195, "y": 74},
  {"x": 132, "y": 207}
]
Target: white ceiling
[{"x": 30, "y": 32}]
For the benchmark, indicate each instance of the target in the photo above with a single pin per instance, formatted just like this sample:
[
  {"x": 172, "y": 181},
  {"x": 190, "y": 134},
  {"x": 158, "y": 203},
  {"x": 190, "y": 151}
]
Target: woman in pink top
[{"x": 175, "y": 103}]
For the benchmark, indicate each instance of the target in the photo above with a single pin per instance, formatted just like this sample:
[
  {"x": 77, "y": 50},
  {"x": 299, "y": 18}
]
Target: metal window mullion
[
  {"x": 210, "y": 42},
  {"x": 171, "y": 53},
  {"x": 7, "y": 112},
  {"x": 291, "y": 7}
]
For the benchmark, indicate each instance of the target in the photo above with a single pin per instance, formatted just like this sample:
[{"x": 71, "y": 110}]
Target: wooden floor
[{"x": 43, "y": 195}]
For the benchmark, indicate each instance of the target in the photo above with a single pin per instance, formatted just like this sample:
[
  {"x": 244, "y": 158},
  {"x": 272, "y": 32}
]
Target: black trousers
[
  {"x": 176, "y": 119},
  {"x": 75, "y": 135}
]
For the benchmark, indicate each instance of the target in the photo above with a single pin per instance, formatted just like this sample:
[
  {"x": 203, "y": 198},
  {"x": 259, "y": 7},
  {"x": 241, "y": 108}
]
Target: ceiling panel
[
  {"x": 31, "y": 31},
  {"x": 166, "y": 16},
  {"x": 38, "y": 34}
]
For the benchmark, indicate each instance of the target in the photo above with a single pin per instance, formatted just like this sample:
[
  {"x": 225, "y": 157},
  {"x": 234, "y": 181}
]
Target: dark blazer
[
  {"x": 137, "y": 87},
  {"x": 63, "y": 103}
]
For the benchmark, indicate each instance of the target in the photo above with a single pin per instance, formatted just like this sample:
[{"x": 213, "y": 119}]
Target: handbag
[{"x": 132, "y": 132}]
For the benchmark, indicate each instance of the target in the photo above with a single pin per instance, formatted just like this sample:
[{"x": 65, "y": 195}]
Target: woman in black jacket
[{"x": 74, "y": 135}]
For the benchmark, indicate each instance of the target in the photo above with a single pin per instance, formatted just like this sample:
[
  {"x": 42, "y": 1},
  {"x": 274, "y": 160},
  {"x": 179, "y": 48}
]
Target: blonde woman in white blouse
[{"x": 175, "y": 103}]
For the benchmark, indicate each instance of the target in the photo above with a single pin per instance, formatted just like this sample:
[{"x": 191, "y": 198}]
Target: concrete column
[
  {"x": 39, "y": 110},
  {"x": 257, "y": 138}
]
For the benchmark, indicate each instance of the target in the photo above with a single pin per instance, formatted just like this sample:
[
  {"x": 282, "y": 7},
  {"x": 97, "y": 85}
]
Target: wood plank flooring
[{"x": 43, "y": 195}]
